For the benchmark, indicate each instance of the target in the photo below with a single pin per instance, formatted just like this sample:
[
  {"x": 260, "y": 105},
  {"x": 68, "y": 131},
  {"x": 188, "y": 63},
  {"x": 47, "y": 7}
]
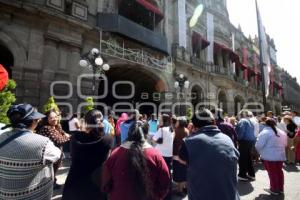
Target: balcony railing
[{"x": 112, "y": 48}]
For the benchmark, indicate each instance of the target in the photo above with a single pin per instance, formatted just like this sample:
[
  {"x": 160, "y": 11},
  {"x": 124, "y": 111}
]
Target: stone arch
[
  {"x": 6, "y": 59},
  {"x": 222, "y": 100},
  {"x": 17, "y": 50},
  {"x": 149, "y": 86},
  {"x": 238, "y": 103},
  {"x": 197, "y": 94}
]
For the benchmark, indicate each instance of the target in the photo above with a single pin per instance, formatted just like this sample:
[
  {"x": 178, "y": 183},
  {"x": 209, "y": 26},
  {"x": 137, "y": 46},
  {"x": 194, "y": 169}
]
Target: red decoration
[{"x": 3, "y": 77}]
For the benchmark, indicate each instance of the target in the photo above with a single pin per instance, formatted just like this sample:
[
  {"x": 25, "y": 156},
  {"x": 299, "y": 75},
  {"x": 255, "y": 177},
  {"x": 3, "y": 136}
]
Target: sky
[{"x": 281, "y": 19}]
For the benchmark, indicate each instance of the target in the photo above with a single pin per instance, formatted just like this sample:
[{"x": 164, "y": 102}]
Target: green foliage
[
  {"x": 7, "y": 97},
  {"x": 50, "y": 105},
  {"x": 90, "y": 104}
]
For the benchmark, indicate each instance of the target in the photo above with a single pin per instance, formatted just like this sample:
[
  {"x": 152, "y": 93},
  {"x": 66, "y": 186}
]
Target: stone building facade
[{"x": 147, "y": 42}]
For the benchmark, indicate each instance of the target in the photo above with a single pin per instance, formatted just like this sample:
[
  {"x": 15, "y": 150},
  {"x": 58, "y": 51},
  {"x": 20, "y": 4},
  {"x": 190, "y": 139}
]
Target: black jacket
[{"x": 87, "y": 154}]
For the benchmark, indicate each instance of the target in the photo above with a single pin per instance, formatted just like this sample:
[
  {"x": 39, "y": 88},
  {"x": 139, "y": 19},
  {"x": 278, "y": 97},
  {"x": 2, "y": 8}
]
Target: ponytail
[
  {"x": 271, "y": 123},
  {"x": 138, "y": 168}
]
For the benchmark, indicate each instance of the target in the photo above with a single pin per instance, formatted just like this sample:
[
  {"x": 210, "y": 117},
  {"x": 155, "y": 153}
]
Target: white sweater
[{"x": 270, "y": 146}]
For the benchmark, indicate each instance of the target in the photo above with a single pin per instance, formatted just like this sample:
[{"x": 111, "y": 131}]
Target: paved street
[{"x": 248, "y": 190}]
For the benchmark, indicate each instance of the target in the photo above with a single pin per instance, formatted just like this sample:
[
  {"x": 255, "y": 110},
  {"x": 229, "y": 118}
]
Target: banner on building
[
  {"x": 182, "y": 23},
  {"x": 233, "y": 49},
  {"x": 210, "y": 37},
  {"x": 265, "y": 53}
]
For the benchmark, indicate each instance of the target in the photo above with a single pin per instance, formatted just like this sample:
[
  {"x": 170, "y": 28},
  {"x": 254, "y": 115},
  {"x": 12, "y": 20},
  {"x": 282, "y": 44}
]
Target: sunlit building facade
[{"x": 146, "y": 42}]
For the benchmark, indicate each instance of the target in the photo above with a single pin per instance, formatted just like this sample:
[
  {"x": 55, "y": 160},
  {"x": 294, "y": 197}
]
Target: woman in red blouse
[
  {"x": 136, "y": 170},
  {"x": 52, "y": 129}
]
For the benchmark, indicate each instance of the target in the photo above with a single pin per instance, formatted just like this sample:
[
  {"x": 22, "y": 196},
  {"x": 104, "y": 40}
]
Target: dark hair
[
  {"x": 93, "y": 119},
  {"x": 44, "y": 121},
  {"x": 138, "y": 168},
  {"x": 272, "y": 123},
  {"x": 17, "y": 121},
  {"x": 182, "y": 122},
  {"x": 165, "y": 120},
  {"x": 153, "y": 117},
  {"x": 203, "y": 118},
  {"x": 219, "y": 114},
  {"x": 75, "y": 115}
]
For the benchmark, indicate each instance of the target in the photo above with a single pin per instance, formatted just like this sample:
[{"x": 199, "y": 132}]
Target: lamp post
[
  {"x": 181, "y": 82},
  {"x": 94, "y": 62}
]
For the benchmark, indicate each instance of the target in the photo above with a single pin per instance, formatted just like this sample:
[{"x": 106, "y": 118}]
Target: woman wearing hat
[
  {"x": 26, "y": 159},
  {"x": 270, "y": 144}
]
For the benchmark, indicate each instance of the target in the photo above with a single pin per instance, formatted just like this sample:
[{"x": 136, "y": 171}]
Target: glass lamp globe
[
  {"x": 176, "y": 84},
  {"x": 99, "y": 61},
  {"x": 95, "y": 51},
  {"x": 83, "y": 63},
  {"x": 106, "y": 67},
  {"x": 186, "y": 84},
  {"x": 181, "y": 76}
]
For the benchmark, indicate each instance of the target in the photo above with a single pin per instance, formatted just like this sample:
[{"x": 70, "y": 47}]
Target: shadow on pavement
[
  {"x": 245, "y": 188},
  {"x": 291, "y": 168},
  {"x": 269, "y": 197},
  {"x": 258, "y": 166}
]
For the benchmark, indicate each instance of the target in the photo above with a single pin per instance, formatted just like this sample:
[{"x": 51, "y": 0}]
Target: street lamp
[
  {"x": 93, "y": 61},
  {"x": 181, "y": 82}
]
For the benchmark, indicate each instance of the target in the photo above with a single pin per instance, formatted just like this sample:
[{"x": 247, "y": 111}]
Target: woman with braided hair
[{"x": 136, "y": 170}]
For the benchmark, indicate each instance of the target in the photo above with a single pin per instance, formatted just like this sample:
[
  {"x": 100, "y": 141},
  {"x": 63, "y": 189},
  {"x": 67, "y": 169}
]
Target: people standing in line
[
  {"x": 211, "y": 173},
  {"x": 153, "y": 125},
  {"x": 246, "y": 141},
  {"x": 126, "y": 124},
  {"x": 89, "y": 150},
  {"x": 163, "y": 140},
  {"x": 270, "y": 114},
  {"x": 26, "y": 158},
  {"x": 255, "y": 124},
  {"x": 179, "y": 169},
  {"x": 51, "y": 128},
  {"x": 74, "y": 124},
  {"x": 136, "y": 170},
  {"x": 233, "y": 121},
  {"x": 112, "y": 128},
  {"x": 224, "y": 126},
  {"x": 291, "y": 129},
  {"x": 297, "y": 139},
  {"x": 262, "y": 123},
  {"x": 121, "y": 119},
  {"x": 190, "y": 128},
  {"x": 271, "y": 144}
]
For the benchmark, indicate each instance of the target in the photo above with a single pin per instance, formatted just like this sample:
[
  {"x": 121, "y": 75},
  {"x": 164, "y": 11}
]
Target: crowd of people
[{"x": 135, "y": 157}]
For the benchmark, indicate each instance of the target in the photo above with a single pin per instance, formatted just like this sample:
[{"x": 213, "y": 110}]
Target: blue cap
[{"x": 26, "y": 112}]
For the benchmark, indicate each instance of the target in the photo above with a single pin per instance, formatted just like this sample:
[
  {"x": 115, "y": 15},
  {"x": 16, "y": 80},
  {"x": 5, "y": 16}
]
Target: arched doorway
[
  {"x": 133, "y": 85},
  {"x": 238, "y": 104},
  {"x": 6, "y": 59},
  {"x": 222, "y": 101},
  {"x": 197, "y": 95}
]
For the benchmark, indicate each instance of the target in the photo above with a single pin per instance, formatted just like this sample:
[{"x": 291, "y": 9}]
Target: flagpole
[{"x": 261, "y": 60}]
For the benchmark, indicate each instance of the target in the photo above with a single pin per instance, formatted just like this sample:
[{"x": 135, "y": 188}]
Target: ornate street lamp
[
  {"x": 181, "y": 82},
  {"x": 94, "y": 62}
]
